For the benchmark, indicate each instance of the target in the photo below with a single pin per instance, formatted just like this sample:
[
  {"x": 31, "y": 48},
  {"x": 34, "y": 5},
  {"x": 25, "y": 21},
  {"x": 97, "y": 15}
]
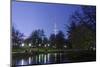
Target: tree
[
  {"x": 17, "y": 38},
  {"x": 90, "y": 16},
  {"x": 82, "y": 30},
  {"x": 81, "y": 37},
  {"x": 52, "y": 40},
  {"x": 60, "y": 40},
  {"x": 27, "y": 41},
  {"x": 36, "y": 38},
  {"x": 45, "y": 42}
]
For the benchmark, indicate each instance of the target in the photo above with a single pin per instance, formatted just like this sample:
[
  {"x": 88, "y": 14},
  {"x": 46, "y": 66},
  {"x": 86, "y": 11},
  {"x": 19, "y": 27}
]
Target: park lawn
[{"x": 46, "y": 50}]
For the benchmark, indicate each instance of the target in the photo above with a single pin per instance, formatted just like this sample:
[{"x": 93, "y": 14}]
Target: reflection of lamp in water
[
  {"x": 45, "y": 58},
  {"x": 48, "y": 56},
  {"x": 42, "y": 58},
  {"x": 39, "y": 58},
  {"x": 22, "y": 62},
  {"x": 29, "y": 60}
]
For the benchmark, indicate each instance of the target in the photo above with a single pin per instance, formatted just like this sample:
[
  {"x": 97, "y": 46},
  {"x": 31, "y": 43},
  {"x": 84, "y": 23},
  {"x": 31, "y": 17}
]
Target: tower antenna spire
[{"x": 55, "y": 27}]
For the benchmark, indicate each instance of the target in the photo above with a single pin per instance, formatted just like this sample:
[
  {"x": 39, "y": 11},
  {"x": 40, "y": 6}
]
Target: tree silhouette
[
  {"x": 60, "y": 40},
  {"x": 37, "y": 38},
  {"x": 17, "y": 38},
  {"x": 82, "y": 30},
  {"x": 52, "y": 40},
  {"x": 90, "y": 16},
  {"x": 45, "y": 42}
]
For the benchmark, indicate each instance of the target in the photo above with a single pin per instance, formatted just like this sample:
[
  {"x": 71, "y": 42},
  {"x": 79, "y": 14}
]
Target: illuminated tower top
[{"x": 55, "y": 27}]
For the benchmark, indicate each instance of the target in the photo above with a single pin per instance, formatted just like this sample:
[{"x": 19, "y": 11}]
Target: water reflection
[
  {"x": 43, "y": 58},
  {"x": 40, "y": 59},
  {"x": 30, "y": 59},
  {"x": 22, "y": 62}
]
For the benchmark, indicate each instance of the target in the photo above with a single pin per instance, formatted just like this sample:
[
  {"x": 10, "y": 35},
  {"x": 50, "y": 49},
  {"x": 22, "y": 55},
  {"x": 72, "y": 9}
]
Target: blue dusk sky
[{"x": 29, "y": 16}]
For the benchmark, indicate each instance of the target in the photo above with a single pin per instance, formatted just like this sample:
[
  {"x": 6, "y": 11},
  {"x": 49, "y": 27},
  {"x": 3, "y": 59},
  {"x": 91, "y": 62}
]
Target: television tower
[
  {"x": 55, "y": 28},
  {"x": 55, "y": 31}
]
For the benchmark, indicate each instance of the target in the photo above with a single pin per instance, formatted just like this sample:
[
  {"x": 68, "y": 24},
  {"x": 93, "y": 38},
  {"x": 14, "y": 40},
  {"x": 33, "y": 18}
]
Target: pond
[{"x": 45, "y": 58}]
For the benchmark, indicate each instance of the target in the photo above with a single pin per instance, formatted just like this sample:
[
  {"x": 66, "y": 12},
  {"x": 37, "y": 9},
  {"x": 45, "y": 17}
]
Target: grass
[{"x": 52, "y": 50}]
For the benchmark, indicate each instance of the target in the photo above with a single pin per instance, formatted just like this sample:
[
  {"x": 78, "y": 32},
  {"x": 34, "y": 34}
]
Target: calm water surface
[
  {"x": 42, "y": 58},
  {"x": 50, "y": 58}
]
